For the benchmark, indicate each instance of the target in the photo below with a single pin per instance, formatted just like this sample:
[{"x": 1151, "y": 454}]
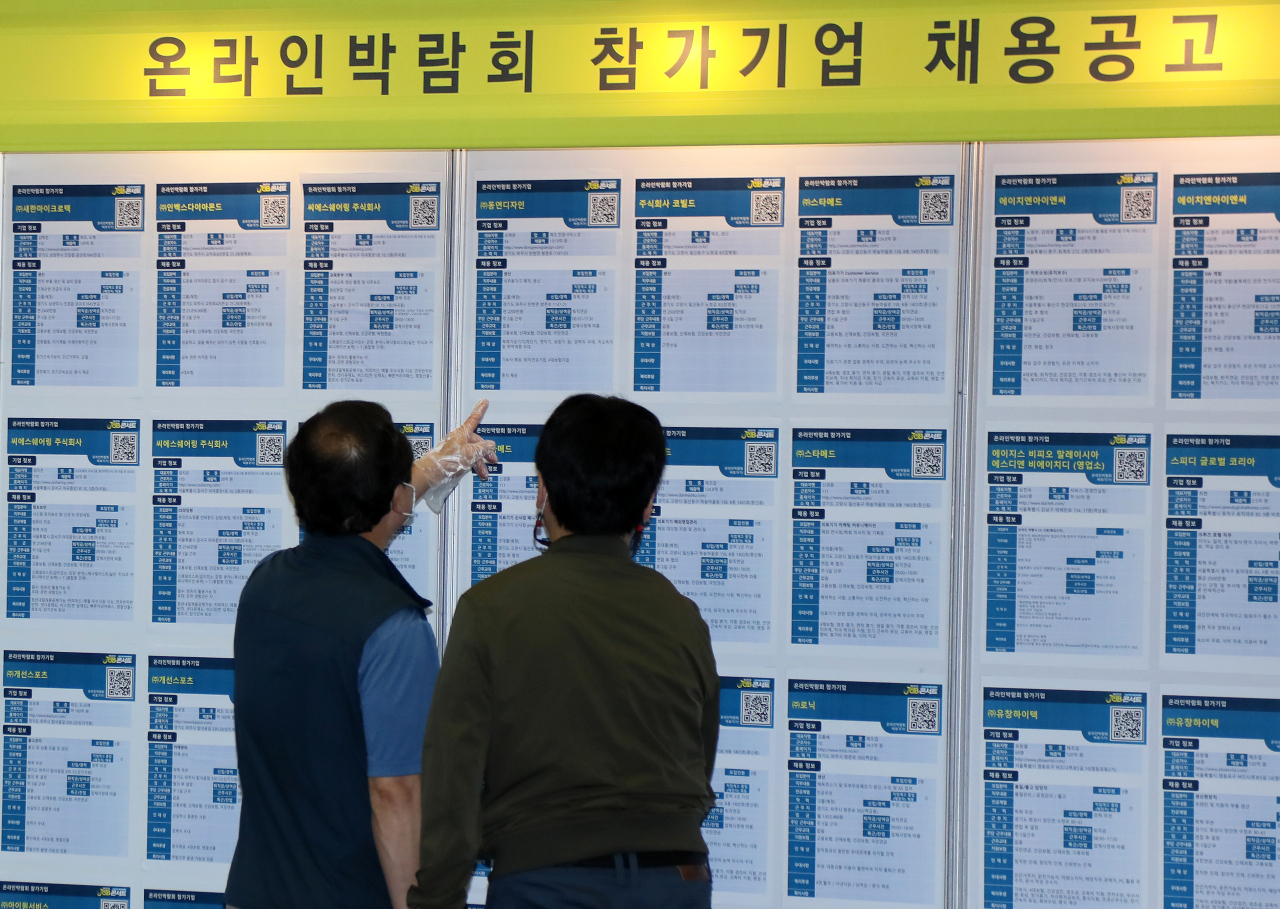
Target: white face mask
[{"x": 409, "y": 514}]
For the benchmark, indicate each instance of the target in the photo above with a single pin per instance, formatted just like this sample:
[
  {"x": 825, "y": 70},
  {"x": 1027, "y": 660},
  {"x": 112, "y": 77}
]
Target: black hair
[
  {"x": 343, "y": 467},
  {"x": 601, "y": 460}
]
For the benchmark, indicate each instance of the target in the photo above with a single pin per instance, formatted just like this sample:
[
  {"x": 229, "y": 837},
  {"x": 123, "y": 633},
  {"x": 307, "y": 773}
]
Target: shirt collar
[
  {"x": 356, "y": 551},
  {"x": 598, "y": 544}
]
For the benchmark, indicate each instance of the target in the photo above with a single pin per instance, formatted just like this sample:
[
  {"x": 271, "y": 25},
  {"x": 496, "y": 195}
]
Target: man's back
[
  {"x": 588, "y": 684},
  {"x": 305, "y": 825},
  {"x": 335, "y": 665}
]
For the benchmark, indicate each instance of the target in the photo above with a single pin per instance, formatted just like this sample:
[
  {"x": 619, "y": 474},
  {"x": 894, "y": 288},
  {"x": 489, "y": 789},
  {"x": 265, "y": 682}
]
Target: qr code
[
  {"x": 420, "y": 447},
  {"x": 120, "y": 683},
  {"x": 922, "y": 715},
  {"x": 1127, "y": 724},
  {"x": 113, "y": 904},
  {"x": 1137, "y": 204},
  {"x": 766, "y": 208},
  {"x": 757, "y": 708},
  {"x": 273, "y": 211},
  {"x": 926, "y": 461},
  {"x": 128, "y": 214},
  {"x": 602, "y": 209},
  {"x": 1131, "y": 465},
  {"x": 124, "y": 448},
  {"x": 424, "y": 212},
  {"x": 762, "y": 459},
  {"x": 935, "y": 206},
  {"x": 270, "y": 450}
]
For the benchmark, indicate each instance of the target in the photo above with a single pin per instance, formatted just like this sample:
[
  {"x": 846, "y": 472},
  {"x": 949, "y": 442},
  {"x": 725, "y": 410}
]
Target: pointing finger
[{"x": 477, "y": 414}]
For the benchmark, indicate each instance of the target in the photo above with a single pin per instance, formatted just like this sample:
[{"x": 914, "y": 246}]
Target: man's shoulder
[
  {"x": 293, "y": 575},
  {"x": 297, "y": 563},
  {"x": 514, "y": 584},
  {"x": 272, "y": 570},
  {"x": 499, "y": 586},
  {"x": 403, "y": 640}
]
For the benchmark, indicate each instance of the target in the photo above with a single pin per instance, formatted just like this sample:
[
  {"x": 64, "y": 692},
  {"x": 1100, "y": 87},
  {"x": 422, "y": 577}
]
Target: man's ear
[
  {"x": 541, "y": 499},
  {"x": 648, "y": 509},
  {"x": 402, "y": 500}
]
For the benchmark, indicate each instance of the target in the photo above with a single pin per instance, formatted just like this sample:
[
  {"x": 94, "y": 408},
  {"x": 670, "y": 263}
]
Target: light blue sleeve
[{"x": 398, "y": 671}]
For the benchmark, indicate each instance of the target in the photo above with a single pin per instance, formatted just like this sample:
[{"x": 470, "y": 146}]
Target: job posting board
[
  {"x": 790, "y": 318},
  {"x": 1125, "y": 548},
  {"x": 795, "y": 317},
  {"x": 169, "y": 322}
]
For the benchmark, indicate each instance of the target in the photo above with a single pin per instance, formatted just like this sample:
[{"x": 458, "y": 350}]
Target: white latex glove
[{"x": 437, "y": 473}]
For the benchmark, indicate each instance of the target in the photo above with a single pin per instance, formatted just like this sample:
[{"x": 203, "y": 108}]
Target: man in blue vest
[{"x": 335, "y": 667}]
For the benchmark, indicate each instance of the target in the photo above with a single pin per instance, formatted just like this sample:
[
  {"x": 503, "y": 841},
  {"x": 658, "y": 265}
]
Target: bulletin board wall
[
  {"x": 970, "y": 441},
  {"x": 970, "y": 470}
]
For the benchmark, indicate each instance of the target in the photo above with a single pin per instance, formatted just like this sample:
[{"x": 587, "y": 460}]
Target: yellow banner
[{"x": 525, "y": 73}]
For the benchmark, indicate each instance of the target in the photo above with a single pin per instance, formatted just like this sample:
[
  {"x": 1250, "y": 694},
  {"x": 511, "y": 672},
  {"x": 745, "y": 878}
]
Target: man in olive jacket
[{"x": 573, "y": 730}]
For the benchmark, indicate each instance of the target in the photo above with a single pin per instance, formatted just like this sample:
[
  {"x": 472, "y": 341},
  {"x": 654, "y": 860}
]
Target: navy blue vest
[{"x": 306, "y": 835}]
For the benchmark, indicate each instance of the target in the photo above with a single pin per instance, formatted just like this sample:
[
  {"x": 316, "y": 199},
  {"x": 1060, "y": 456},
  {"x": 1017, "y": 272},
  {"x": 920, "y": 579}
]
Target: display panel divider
[
  {"x": 451, "y": 382},
  {"x": 960, "y": 611}
]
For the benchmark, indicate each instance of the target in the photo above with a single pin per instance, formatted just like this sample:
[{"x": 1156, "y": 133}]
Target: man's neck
[
  {"x": 556, "y": 531},
  {"x": 561, "y": 533},
  {"x": 382, "y": 533}
]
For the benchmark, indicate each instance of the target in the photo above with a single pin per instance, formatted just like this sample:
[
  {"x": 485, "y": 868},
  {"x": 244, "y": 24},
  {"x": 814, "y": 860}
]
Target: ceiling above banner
[{"x": 115, "y": 74}]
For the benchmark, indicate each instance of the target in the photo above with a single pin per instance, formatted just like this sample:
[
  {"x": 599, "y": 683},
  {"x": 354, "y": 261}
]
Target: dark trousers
[{"x": 625, "y": 886}]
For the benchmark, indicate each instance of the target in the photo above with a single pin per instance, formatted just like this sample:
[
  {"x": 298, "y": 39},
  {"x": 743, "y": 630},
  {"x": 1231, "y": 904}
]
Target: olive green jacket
[{"x": 575, "y": 715}]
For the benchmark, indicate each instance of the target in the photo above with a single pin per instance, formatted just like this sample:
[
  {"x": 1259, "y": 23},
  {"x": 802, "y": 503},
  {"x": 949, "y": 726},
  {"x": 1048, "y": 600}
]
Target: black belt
[{"x": 644, "y": 859}]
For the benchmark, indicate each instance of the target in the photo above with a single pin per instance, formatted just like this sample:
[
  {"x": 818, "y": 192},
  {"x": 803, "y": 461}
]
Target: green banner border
[{"x": 1157, "y": 113}]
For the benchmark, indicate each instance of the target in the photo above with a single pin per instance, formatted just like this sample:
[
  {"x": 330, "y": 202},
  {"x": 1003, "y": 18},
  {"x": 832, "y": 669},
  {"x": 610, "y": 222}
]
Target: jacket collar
[
  {"x": 597, "y": 544},
  {"x": 356, "y": 552}
]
